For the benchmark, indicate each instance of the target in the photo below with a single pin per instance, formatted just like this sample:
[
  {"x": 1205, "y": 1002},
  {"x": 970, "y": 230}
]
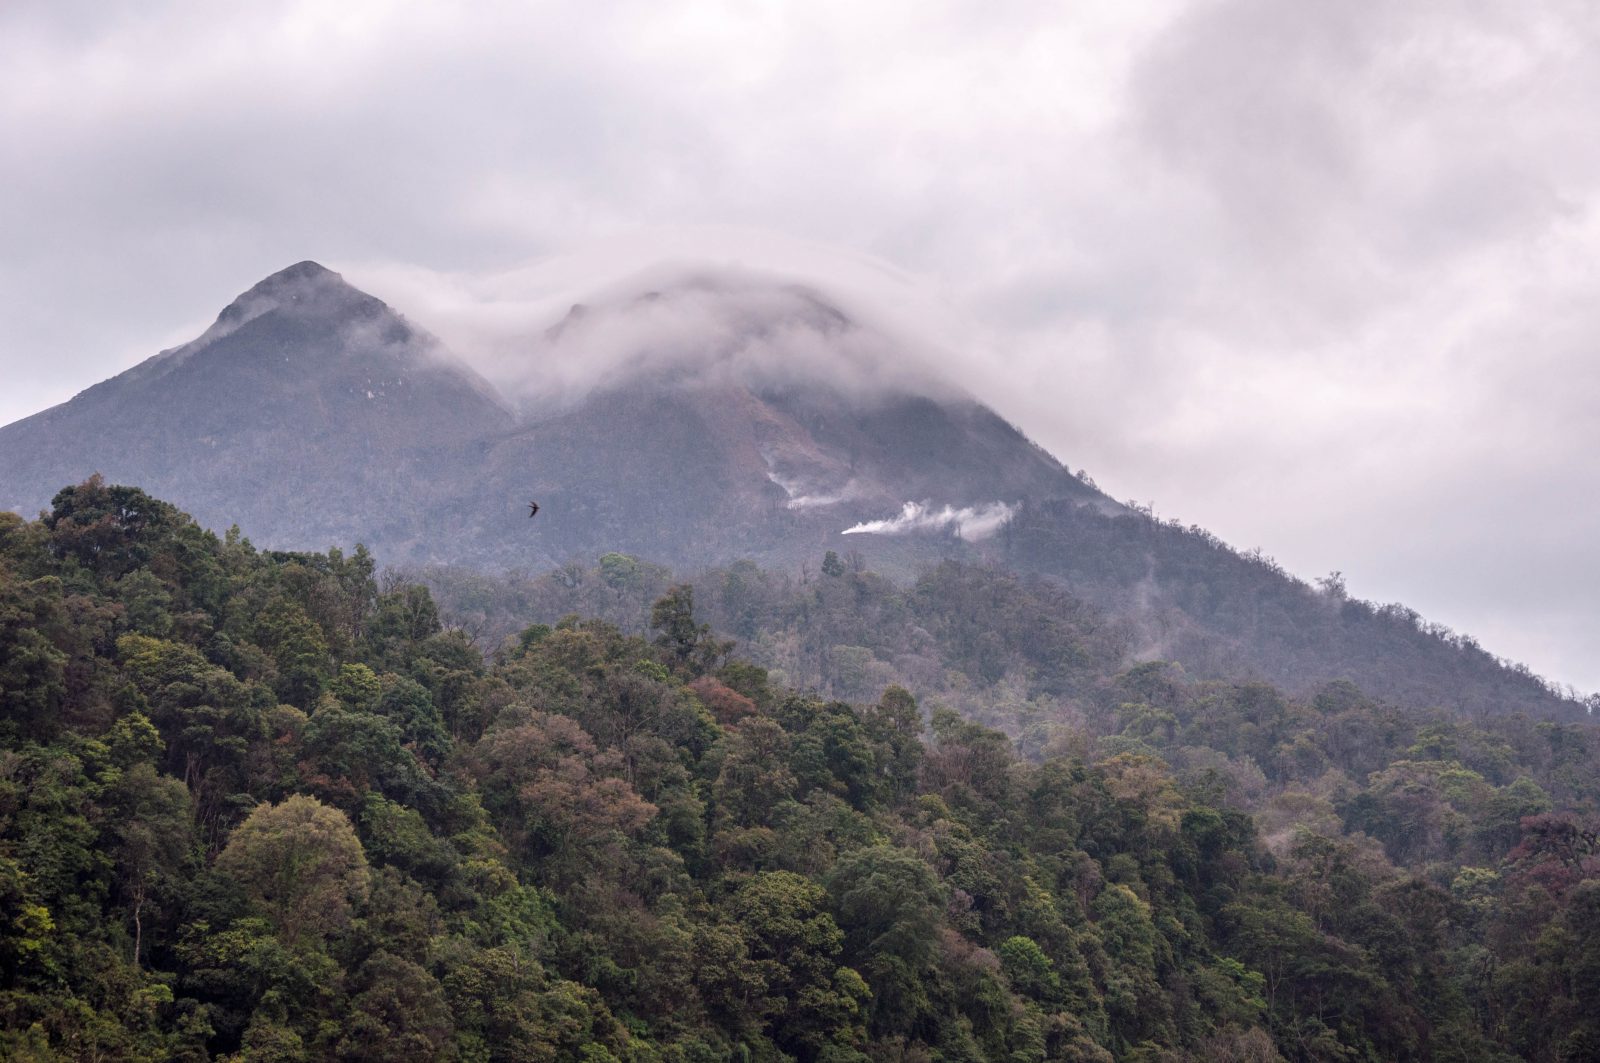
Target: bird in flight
[{"x": 533, "y": 509}]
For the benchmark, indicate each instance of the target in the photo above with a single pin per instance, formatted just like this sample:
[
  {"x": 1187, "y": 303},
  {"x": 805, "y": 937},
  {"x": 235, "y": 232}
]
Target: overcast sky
[{"x": 1320, "y": 276}]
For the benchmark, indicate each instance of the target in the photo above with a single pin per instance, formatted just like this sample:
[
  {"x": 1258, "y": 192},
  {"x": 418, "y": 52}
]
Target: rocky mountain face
[{"x": 692, "y": 426}]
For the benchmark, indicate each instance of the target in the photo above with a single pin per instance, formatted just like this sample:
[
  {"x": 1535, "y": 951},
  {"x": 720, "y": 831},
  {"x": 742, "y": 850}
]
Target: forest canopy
[{"x": 258, "y": 805}]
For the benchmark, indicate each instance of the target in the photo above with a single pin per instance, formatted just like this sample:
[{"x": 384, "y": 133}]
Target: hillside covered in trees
[{"x": 266, "y": 806}]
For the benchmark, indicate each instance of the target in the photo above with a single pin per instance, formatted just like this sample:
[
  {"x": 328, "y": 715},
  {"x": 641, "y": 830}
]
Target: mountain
[
  {"x": 706, "y": 419},
  {"x": 309, "y": 410},
  {"x": 313, "y": 414},
  {"x": 719, "y": 418},
  {"x": 1222, "y": 613}
]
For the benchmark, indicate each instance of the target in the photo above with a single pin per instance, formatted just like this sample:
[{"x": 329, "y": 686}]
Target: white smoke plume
[
  {"x": 972, "y": 523},
  {"x": 800, "y": 497}
]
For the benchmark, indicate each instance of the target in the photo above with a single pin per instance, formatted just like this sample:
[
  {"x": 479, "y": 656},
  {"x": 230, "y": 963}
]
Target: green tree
[
  {"x": 150, "y": 838},
  {"x": 398, "y": 1014},
  {"x": 109, "y": 529},
  {"x": 686, "y": 643},
  {"x": 301, "y": 864},
  {"x": 888, "y": 904},
  {"x": 792, "y": 944},
  {"x": 895, "y": 723}
]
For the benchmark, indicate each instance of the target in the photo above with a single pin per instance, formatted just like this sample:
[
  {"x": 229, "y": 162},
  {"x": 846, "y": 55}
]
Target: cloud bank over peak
[{"x": 764, "y": 312}]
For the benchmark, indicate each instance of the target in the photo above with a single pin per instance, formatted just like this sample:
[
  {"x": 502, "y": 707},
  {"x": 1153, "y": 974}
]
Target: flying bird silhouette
[{"x": 533, "y": 509}]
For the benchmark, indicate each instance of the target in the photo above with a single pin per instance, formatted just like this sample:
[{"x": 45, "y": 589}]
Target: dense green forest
[{"x": 269, "y": 806}]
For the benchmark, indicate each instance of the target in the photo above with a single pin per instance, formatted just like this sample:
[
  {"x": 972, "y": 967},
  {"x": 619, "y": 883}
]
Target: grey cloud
[{"x": 717, "y": 305}]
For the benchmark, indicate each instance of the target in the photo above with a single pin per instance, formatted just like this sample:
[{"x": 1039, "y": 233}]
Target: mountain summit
[
  {"x": 307, "y": 293},
  {"x": 309, "y": 409}
]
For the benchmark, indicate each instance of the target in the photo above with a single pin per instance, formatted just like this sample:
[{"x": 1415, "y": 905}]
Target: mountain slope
[
  {"x": 708, "y": 419},
  {"x": 309, "y": 411},
  {"x": 702, "y": 475},
  {"x": 1193, "y": 599}
]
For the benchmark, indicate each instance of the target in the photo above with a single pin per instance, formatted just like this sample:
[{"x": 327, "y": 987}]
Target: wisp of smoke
[
  {"x": 972, "y": 523},
  {"x": 802, "y": 498}
]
